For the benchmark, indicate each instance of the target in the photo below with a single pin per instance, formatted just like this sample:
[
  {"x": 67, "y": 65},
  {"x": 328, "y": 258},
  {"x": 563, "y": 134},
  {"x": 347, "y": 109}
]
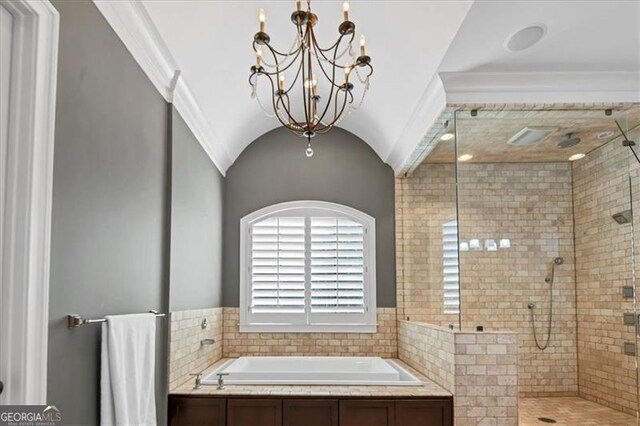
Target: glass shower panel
[
  {"x": 516, "y": 233},
  {"x": 428, "y": 239},
  {"x": 632, "y": 311},
  {"x": 540, "y": 251}
]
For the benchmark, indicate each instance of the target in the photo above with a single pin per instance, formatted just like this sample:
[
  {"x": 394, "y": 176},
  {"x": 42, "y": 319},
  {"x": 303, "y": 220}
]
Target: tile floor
[{"x": 571, "y": 411}]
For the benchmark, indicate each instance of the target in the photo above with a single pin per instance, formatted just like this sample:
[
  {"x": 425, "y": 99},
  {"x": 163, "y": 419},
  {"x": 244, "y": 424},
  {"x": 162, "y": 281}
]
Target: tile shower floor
[{"x": 570, "y": 411}]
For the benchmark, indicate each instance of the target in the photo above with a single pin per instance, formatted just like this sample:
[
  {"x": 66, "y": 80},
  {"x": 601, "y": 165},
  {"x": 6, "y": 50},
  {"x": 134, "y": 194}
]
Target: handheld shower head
[{"x": 558, "y": 261}]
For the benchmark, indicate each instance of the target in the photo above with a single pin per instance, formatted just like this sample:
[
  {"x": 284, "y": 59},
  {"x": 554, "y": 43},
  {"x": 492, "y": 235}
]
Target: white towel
[{"x": 127, "y": 384}]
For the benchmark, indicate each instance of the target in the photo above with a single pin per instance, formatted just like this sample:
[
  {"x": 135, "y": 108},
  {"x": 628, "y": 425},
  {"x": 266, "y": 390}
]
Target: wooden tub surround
[{"x": 280, "y": 405}]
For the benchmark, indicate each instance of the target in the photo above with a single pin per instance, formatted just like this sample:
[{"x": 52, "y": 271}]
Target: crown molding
[
  {"x": 430, "y": 107},
  {"x": 132, "y": 23},
  {"x": 447, "y": 91},
  {"x": 186, "y": 105},
  {"x": 541, "y": 87}
]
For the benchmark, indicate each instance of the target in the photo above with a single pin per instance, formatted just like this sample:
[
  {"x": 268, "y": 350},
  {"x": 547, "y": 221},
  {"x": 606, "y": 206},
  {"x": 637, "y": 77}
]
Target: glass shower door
[{"x": 632, "y": 316}]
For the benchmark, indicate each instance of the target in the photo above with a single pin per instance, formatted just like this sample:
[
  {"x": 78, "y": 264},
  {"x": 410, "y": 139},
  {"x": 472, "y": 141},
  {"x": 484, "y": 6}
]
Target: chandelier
[{"x": 293, "y": 75}]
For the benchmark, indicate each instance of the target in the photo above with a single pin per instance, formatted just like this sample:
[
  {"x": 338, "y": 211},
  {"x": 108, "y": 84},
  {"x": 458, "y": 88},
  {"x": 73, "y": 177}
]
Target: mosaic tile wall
[
  {"x": 383, "y": 343},
  {"x": 480, "y": 369},
  {"x": 604, "y": 265},
  {"x": 530, "y": 204},
  {"x": 186, "y": 354}
]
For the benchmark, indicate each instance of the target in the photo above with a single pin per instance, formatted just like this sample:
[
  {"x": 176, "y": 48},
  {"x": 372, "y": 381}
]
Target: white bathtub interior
[{"x": 312, "y": 370}]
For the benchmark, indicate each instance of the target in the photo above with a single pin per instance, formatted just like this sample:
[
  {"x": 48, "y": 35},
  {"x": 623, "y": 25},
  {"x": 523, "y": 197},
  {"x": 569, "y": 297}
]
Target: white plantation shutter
[
  {"x": 278, "y": 265},
  {"x": 337, "y": 265},
  {"x": 450, "y": 271},
  {"x": 307, "y": 266}
]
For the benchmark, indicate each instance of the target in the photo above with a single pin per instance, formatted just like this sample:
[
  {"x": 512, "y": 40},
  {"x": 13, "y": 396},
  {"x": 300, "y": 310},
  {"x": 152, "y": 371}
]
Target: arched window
[{"x": 307, "y": 266}]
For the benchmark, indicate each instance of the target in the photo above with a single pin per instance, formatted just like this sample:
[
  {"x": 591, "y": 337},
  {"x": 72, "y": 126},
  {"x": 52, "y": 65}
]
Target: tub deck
[{"x": 426, "y": 390}]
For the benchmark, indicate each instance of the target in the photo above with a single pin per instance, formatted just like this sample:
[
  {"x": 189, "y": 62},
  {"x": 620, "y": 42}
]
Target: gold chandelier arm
[
  {"x": 333, "y": 75},
  {"x": 275, "y": 108},
  {"x": 254, "y": 94},
  {"x": 293, "y": 50},
  {"x": 334, "y": 48},
  {"x": 338, "y": 116},
  {"x": 333, "y": 86},
  {"x": 286, "y": 54},
  {"x": 277, "y": 65},
  {"x": 306, "y": 95},
  {"x": 293, "y": 123}
]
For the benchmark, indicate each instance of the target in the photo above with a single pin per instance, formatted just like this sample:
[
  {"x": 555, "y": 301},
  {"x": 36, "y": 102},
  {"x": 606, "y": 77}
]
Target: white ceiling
[
  {"x": 210, "y": 42},
  {"x": 581, "y": 36}
]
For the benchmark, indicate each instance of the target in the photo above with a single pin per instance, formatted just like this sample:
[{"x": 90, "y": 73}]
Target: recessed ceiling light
[
  {"x": 446, "y": 137},
  {"x": 606, "y": 135},
  {"x": 465, "y": 157},
  {"x": 575, "y": 157},
  {"x": 526, "y": 37}
]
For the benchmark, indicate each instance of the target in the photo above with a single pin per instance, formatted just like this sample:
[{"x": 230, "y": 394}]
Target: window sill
[{"x": 314, "y": 328}]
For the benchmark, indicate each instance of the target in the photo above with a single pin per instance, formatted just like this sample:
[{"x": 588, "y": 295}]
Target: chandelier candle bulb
[
  {"x": 362, "y": 42},
  {"x": 258, "y": 56},
  {"x": 281, "y": 82},
  {"x": 345, "y": 10},
  {"x": 262, "y": 18},
  {"x": 298, "y": 5}
]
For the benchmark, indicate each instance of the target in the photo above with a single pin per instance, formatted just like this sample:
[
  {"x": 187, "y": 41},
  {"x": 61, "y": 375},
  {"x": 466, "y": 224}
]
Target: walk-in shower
[
  {"x": 549, "y": 181},
  {"x": 532, "y": 306}
]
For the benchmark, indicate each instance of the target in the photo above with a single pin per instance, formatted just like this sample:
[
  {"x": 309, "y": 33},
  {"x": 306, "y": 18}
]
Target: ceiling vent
[{"x": 531, "y": 136}]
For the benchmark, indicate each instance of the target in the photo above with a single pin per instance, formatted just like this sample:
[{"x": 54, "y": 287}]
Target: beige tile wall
[
  {"x": 186, "y": 354},
  {"x": 604, "y": 265},
  {"x": 429, "y": 349},
  {"x": 382, "y": 343},
  {"x": 424, "y": 202},
  {"x": 480, "y": 369},
  {"x": 531, "y": 205}
]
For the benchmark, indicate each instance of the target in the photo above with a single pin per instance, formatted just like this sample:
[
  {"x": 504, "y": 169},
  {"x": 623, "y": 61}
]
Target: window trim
[{"x": 369, "y": 325}]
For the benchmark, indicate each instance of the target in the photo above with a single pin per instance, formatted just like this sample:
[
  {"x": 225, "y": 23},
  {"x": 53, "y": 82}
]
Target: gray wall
[
  {"x": 344, "y": 169},
  {"x": 109, "y": 248},
  {"x": 196, "y": 223}
]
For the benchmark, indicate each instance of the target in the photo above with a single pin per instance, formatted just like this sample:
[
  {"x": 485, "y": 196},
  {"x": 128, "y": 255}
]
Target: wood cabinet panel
[
  {"x": 254, "y": 412},
  {"x": 283, "y": 411},
  {"x": 200, "y": 411},
  {"x": 310, "y": 412},
  {"x": 424, "y": 413},
  {"x": 367, "y": 413}
]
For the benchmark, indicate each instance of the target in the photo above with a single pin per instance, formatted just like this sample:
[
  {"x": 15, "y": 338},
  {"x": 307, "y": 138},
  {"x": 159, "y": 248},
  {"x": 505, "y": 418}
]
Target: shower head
[
  {"x": 558, "y": 261},
  {"x": 622, "y": 218},
  {"x": 568, "y": 141}
]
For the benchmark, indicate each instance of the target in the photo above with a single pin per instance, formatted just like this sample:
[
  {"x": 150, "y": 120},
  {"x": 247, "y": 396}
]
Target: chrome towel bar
[{"x": 75, "y": 320}]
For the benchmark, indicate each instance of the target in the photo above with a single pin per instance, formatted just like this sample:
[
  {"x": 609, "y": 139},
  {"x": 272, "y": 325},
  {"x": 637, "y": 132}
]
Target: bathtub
[{"x": 312, "y": 370}]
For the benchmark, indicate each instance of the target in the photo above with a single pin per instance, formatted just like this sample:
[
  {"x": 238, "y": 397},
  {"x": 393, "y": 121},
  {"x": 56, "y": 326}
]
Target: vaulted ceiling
[
  {"x": 211, "y": 43},
  {"x": 426, "y": 54}
]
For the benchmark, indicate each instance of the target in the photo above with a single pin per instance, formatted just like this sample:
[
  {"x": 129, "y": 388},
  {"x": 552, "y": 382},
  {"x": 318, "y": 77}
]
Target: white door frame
[{"x": 26, "y": 229}]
